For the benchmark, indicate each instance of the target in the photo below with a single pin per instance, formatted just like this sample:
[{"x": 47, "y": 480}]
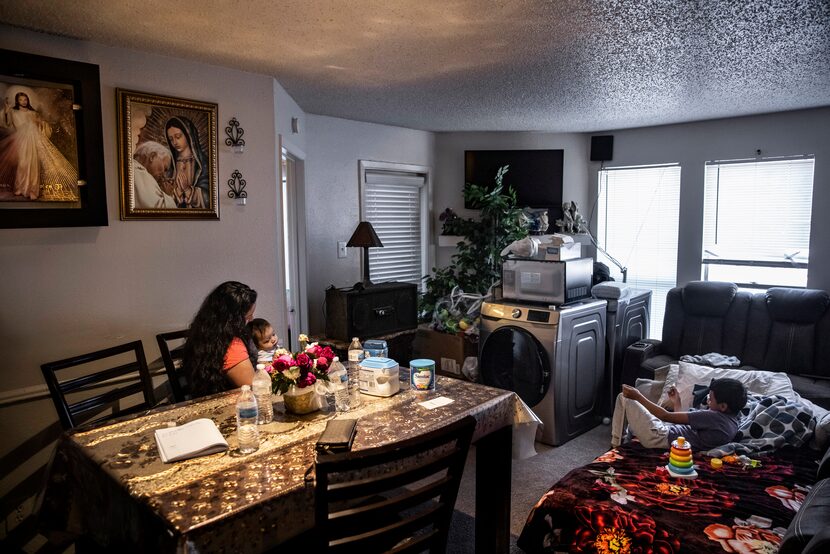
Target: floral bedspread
[{"x": 625, "y": 501}]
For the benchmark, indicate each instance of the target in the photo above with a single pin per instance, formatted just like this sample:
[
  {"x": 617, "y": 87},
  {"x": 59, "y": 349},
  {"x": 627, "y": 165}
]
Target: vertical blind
[
  {"x": 758, "y": 212},
  {"x": 392, "y": 203},
  {"x": 638, "y": 223}
]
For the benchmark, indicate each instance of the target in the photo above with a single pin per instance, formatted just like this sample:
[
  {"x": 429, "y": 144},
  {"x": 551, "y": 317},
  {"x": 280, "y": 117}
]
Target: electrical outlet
[{"x": 341, "y": 249}]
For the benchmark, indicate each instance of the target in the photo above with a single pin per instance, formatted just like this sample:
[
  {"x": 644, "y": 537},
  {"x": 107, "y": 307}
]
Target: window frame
[
  {"x": 425, "y": 193},
  {"x": 706, "y": 263}
]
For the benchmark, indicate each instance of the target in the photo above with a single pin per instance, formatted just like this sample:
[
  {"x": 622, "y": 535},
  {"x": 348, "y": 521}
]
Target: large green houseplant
[{"x": 476, "y": 266}]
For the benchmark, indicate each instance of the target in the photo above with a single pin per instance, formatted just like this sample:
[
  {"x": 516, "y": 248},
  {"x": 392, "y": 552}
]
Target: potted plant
[{"x": 476, "y": 266}]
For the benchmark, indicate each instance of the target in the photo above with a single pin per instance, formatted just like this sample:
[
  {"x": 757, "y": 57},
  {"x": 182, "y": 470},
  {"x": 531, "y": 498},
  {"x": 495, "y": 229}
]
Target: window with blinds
[
  {"x": 394, "y": 201},
  {"x": 637, "y": 224},
  {"x": 756, "y": 221}
]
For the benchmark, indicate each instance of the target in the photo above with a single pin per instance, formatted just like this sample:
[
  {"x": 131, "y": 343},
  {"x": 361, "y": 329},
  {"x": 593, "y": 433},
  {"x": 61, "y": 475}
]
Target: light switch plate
[{"x": 341, "y": 249}]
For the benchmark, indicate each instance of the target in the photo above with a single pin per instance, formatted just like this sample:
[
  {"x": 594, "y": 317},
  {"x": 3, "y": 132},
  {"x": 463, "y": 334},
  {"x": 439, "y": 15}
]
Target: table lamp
[{"x": 365, "y": 237}]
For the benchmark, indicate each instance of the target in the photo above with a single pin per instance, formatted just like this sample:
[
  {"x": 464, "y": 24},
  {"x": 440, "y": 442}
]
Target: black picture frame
[{"x": 84, "y": 78}]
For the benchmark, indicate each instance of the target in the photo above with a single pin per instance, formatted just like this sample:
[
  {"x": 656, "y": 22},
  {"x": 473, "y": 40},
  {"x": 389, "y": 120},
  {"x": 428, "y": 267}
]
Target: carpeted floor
[{"x": 531, "y": 479}]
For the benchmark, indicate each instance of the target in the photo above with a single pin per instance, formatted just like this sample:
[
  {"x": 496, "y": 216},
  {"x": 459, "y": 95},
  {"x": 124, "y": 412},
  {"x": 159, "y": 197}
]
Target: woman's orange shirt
[{"x": 236, "y": 353}]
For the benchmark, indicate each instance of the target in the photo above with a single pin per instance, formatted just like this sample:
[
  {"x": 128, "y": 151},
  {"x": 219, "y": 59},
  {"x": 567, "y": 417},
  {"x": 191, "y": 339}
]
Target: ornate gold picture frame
[{"x": 166, "y": 157}]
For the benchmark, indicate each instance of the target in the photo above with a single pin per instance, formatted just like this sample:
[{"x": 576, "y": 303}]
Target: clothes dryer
[{"x": 552, "y": 357}]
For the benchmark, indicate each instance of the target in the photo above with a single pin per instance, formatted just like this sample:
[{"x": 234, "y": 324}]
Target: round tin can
[{"x": 422, "y": 375}]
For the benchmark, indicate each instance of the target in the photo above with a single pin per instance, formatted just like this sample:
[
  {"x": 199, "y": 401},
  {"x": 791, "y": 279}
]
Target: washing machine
[{"x": 553, "y": 357}]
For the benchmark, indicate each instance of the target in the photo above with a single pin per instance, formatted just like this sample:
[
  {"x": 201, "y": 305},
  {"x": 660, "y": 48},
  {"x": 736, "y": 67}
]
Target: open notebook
[{"x": 197, "y": 438}]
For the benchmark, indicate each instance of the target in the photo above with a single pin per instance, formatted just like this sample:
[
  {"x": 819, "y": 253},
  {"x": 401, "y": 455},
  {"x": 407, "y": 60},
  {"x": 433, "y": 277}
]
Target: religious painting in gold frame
[{"x": 166, "y": 157}]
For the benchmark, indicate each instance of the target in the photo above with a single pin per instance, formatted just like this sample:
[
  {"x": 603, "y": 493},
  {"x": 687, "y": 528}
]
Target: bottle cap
[
  {"x": 246, "y": 387},
  {"x": 336, "y": 359}
]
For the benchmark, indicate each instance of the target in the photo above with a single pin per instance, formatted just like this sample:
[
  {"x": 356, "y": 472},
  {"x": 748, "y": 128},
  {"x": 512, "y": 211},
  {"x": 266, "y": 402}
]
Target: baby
[{"x": 265, "y": 339}]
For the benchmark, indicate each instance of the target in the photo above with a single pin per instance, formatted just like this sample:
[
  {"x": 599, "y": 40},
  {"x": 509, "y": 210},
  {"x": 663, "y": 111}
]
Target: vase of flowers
[{"x": 298, "y": 376}]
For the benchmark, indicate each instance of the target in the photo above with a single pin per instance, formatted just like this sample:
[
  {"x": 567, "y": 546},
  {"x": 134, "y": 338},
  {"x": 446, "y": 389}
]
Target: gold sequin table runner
[{"x": 109, "y": 482}]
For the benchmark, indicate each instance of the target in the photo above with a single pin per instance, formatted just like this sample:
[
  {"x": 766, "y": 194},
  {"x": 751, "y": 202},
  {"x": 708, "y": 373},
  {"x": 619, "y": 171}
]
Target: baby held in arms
[
  {"x": 265, "y": 339},
  {"x": 657, "y": 427}
]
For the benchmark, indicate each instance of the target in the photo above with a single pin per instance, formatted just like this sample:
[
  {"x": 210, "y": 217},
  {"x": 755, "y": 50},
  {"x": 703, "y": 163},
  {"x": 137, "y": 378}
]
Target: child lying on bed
[{"x": 657, "y": 427}]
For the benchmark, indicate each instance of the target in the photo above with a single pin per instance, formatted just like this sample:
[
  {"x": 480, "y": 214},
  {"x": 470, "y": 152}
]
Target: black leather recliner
[{"x": 782, "y": 329}]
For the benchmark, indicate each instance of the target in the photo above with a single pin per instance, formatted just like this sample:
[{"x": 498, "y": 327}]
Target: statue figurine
[{"x": 566, "y": 224}]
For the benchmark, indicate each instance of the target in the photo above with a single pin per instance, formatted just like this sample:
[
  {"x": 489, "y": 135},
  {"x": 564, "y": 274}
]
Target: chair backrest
[
  {"x": 396, "y": 497},
  {"x": 117, "y": 383},
  {"x": 172, "y": 358},
  {"x": 705, "y": 316}
]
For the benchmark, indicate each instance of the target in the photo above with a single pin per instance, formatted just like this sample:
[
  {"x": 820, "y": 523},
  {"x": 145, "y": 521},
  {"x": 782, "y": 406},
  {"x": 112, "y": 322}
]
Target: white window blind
[
  {"x": 638, "y": 222},
  {"x": 394, "y": 202},
  {"x": 756, "y": 221}
]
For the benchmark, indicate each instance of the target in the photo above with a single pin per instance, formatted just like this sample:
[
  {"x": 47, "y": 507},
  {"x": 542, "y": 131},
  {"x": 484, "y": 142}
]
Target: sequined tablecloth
[{"x": 109, "y": 483}]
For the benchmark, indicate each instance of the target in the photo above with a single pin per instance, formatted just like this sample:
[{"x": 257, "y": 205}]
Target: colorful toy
[{"x": 680, "y": 460}]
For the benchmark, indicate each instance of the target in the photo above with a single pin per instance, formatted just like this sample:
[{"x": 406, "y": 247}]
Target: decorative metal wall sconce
[
  {"x": 237, "y": 186},
  {"x": 235, "y": 132}
]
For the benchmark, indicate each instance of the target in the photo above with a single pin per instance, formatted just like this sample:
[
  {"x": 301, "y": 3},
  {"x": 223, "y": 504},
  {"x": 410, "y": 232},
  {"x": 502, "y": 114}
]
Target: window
[
  {"x": 637, "y": 224},
  {"x": 394, "y": 199},
  {"x": 756, "y": 222}
]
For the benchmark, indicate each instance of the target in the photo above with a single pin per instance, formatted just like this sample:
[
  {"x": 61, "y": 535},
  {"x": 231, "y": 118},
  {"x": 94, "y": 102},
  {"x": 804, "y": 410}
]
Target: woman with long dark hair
[{"x": 219, "y": 354}]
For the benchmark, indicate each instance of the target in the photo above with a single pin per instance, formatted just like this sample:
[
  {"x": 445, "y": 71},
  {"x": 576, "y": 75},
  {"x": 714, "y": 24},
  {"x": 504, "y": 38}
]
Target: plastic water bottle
[
  {"x": 262, "y": 390},
  {"x": 356, "y": 355},
  {"x": 246, "y": 417},
  {"x": 340, "y": 384}
]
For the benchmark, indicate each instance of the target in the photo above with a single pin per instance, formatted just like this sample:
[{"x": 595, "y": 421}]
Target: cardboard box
[{"x": 448, "y": 351}]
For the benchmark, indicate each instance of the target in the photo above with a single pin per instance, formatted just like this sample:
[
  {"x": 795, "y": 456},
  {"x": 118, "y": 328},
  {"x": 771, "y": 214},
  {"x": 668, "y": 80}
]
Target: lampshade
[{"x": 364, "y": 236}]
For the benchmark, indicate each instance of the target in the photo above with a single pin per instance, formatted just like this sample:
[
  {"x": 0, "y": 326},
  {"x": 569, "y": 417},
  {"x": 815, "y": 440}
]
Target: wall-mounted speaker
[{"x": 602, "y": 148}]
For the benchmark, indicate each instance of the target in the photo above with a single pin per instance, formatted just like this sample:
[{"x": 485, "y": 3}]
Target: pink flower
[
  {"x": 284, "y": 362},
  {"x": 327, "y": 353},
  {"x": 315, "y": 350},
  {"x": 303, "y": 360},
  {"x": 269, "y": 368},
  {"x": 322, "y": 363},
  {"x": 307, "y": 380}
]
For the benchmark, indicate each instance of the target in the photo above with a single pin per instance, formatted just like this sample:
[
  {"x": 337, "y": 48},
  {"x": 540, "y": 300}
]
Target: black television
[{"x": 535, "y": 175}]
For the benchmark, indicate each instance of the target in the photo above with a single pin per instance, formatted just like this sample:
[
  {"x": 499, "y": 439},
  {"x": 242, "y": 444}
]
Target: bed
[{"x": 626, "y": 502}]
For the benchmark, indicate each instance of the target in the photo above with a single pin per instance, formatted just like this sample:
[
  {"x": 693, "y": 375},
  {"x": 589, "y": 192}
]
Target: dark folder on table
[{"x": 337, "y": 436}]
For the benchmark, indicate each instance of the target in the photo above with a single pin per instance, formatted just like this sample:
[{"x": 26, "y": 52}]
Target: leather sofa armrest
[
  {"x": 824, "y": 466},
  {"x": 808, "y": 529},
  {"x": 634, "y": 357}
]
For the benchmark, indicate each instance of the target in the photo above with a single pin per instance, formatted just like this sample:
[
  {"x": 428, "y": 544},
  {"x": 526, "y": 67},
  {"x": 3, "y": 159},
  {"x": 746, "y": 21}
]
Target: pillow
[
  {"x": 651, "y": 388},
  {"x": 685, "y": 376}
]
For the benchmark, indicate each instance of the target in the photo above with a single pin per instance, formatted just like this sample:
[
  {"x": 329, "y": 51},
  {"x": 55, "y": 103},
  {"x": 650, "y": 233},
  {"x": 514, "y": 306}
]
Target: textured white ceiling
[{"x": 467, "y": 65}]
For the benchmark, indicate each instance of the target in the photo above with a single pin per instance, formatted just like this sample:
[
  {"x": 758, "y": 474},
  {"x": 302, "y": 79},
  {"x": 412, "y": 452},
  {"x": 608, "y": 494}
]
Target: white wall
[
  {"x": 693, "y": 144},
  {"x": 449, "y": 169},
  {"x": 332, "y": 194},
  {"x": 66, "y": 291}
]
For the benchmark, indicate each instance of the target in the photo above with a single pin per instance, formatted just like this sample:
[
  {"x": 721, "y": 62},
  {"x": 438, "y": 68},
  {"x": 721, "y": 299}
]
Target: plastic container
[
  {"x": 379, "y": 377},
  {"x": 422, "y": 375},
  {"x": 247, "y": 432},
  {"x": 339, "y": 379},
  {"x": 261, "y": 387},
  {"x": 376, "y": 348}
]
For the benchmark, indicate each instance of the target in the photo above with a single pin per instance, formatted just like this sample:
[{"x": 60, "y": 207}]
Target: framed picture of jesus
[{"x": 51, "y": 150}]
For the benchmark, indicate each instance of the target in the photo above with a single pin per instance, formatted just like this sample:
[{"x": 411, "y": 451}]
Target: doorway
[{"x": 293, "y": 248}]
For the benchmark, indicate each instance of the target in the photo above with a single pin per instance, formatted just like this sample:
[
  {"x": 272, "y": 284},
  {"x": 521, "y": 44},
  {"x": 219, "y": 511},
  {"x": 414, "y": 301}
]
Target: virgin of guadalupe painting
[
  {"x": 167, "y": 156},
  {"x": 38, "y": 142}
]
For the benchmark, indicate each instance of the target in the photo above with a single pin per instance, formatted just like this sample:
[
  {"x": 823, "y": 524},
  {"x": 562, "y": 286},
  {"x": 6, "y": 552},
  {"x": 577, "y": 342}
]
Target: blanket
[
  {"x": 712, "y": 359},
  {"x": 769, "y": 423},
  {"x": 625, "y": 501}
]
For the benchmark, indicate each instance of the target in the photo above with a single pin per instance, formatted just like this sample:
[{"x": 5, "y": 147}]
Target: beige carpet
[{"x": 531, "y": 479}]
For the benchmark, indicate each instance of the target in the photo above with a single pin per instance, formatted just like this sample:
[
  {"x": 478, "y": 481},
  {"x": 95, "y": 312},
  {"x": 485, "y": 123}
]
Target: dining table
[{"x": 107, "y": 483}]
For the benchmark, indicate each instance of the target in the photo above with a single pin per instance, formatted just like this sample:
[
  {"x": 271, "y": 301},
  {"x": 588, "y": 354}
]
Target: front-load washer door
[{"x": 513, "y": 359}]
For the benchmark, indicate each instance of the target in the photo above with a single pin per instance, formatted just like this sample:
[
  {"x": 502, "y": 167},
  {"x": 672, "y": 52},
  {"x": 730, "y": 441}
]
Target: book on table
[{"x": 199, "y": 437}]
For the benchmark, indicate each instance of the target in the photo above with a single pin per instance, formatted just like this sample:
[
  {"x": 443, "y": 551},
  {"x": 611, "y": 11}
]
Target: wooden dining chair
[
  {"x": 394, "y": 498},
  {"x": 87, "y": 394},
  {"x": 172, "y": 358}
]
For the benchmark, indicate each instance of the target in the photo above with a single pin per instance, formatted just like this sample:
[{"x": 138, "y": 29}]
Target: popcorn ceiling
[{"x": 474, "y": 65}]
